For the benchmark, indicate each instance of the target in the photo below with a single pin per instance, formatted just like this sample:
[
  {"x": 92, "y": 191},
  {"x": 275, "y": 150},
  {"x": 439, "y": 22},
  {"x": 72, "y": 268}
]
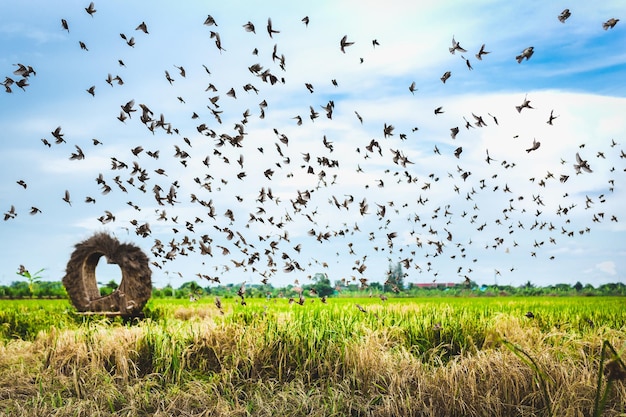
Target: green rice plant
[
  {"x": 24, "y": 319},
  {"x": 616, "y": 371},
  {"x": 540, "y": 376}
]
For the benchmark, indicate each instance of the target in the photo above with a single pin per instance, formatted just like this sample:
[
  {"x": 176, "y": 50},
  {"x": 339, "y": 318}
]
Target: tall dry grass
[{"x": 396, "y": 359}]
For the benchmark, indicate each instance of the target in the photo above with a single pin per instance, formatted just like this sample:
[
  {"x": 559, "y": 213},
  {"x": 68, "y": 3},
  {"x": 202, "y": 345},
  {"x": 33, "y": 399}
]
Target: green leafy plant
[
  {"x": 540, "y": 376},
  {"x": 33, "y": 279}
]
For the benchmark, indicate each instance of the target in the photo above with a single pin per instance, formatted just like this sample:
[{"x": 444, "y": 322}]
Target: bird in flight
[
  {"x": 249, "y": 27},
  {"x": 66, "y": 197},
  {"x": 526, "y": 53},
  {"x": 565, "y": 14},
  {"x": 91, "y": 9},
  {"x": 344, "y": 43},
  {"x": 581, "y": 164},
  {"x": 525, "y": 105},
  {"x": 482, "y": 52},
  {"x": 534, "y": 147},
  {"x": 142, "y": 27},
  {"x": 270, "y": 29},
  {"x": 610, "y": 24},
  {"x": 456, "y": 46}
]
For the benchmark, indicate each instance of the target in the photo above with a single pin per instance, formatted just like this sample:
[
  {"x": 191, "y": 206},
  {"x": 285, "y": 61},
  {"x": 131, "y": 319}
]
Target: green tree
[
  {"x": 322, "y": 285},
  {"x": 578, "y": 286},
  {"x": 51, "y": 289},
  {"x": 189, "y": 288},
  {"x": 108, "y": 288},
  {"x": 19, "y": 289}
]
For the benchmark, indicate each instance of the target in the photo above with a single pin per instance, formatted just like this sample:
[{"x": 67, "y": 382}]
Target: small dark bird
[
  {"x": 526, "y": 53},
  {"x": 270, "y": 29},
  {"x": 445, "y": 76},
  {"x": 58, "y": 136},
  {"x": 142, "y": 27},
  {"x": 249, "y": 27},
  {"x": 209, "y": 21},
  {"x": 524, "y": 105},
  {"x": 467, "y": 63},
  {"x": 344, "y": 43},
  {"x": 218, "y": 41},
  {"x": 168, "y": 77},
  {"x": 412, "y": 88},
  {"x": 305, "y": 20},
  {"x": 11, "y": 214},
  {"x": 551, "y": 118},
  {"x": 66, "y": 197},
  {"x": 610, "y": 24},
  {"x": 535, "y": 146},
  {"x": 91, "y": 10},
  {"x": 130, "y": 42},
  {"x": 78, "y": 155},
  {"x": 581, "y": 164},
  {"x": 242, "y": 289},
  {"x": 481, "y": 52},
  {"x": 530, "y": 315},
  {"x": 64, "y": 25},
  {"x": 565, "y": 14}
]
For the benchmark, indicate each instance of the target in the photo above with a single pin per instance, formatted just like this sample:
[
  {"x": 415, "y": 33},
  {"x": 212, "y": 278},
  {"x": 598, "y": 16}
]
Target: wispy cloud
[{"x": 496, "y": 206}]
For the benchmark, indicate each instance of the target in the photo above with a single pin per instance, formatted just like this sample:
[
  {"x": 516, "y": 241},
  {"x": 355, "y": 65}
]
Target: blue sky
[{"x": 576, "y": 73}]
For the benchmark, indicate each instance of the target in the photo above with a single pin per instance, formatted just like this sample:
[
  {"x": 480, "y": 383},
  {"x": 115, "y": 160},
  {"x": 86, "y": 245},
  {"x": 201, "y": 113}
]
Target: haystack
[{"x": 81, "y": 284}]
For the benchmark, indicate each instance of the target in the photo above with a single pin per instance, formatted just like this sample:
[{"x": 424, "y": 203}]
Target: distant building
[{"x": 434, "y": 284}]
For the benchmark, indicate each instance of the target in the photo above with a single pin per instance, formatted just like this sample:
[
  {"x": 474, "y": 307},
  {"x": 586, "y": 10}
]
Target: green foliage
[
  {"x": 24, "y": 319},
  {"x": 32, "y": 279},
  {"x": 108, "y": 288},
  {"x": 35, "y": 287},
  {"x": 321, "y": 285}
]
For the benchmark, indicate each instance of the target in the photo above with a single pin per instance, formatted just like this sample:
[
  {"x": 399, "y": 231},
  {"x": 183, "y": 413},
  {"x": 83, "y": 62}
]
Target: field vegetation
[{"x": 491, "y": 356}]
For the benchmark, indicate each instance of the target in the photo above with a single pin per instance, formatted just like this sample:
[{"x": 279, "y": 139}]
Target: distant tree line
[
  {"x": 321, "y": 286},
  {"x": 32, "y": 286}
]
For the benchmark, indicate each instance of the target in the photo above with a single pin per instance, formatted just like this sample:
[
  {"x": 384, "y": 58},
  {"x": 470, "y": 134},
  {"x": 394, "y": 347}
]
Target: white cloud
[
  {"x": 414, "y": 41},
  {"x": 608, "y": 267}
]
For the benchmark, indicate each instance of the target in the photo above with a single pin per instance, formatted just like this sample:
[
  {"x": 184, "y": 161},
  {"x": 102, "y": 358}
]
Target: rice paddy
[{"x": 426, "y": 357}]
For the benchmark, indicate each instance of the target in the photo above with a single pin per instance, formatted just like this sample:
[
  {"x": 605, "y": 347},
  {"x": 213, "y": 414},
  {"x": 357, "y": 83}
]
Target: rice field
[{"x": 502, "y": 356}]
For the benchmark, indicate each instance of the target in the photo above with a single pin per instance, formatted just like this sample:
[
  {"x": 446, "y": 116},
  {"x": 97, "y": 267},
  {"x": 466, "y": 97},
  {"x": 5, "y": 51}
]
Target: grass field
[{"x": 401, "y": 357}]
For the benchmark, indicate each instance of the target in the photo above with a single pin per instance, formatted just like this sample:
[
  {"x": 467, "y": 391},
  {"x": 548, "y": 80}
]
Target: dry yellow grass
[{"x": 197, "y": 362}]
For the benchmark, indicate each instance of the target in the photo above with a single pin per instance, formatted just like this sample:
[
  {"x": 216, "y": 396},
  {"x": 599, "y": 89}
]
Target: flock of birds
[{"x": 221, "y": 236}]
